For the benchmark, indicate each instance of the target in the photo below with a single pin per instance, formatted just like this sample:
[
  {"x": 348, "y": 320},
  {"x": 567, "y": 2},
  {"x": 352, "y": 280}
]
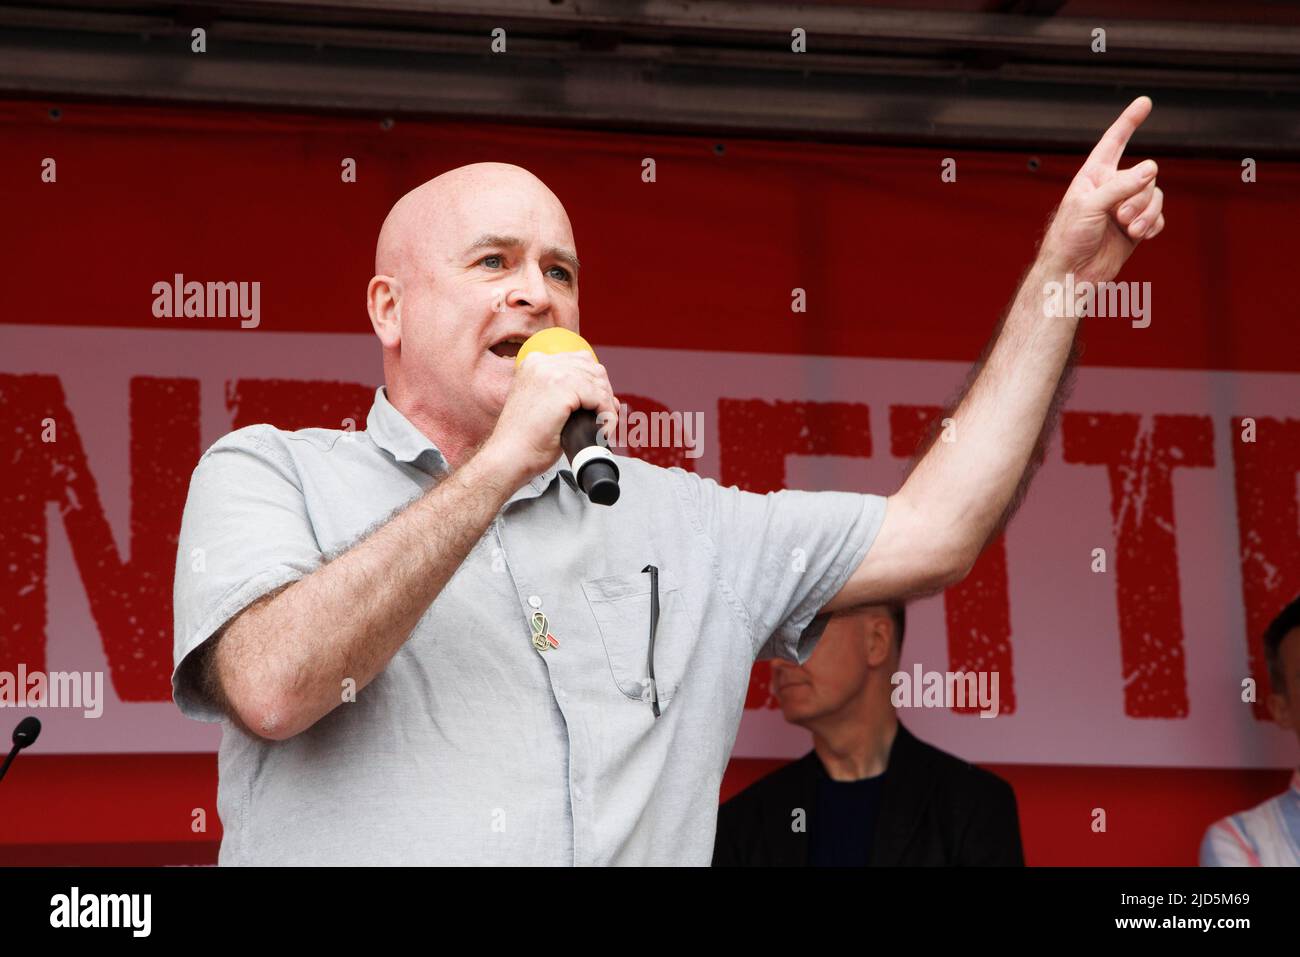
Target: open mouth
[{"x": 507, "y": 348}]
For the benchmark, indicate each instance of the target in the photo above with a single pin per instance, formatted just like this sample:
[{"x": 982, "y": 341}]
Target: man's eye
[
  {"x": 564, "y": 273},
  {"x": 486, "y": 259}
]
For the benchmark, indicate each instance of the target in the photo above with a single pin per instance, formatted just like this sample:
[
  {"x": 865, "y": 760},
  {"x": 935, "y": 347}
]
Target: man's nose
[{"x": 529, "y": 288}]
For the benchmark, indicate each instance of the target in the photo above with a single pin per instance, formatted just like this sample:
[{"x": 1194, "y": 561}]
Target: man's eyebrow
[{"x": 556, "y": 252}]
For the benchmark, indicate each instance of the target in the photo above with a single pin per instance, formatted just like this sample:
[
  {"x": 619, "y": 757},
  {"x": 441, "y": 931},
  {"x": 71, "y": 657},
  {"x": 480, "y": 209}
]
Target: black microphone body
[{"x": 593, "y": 465}]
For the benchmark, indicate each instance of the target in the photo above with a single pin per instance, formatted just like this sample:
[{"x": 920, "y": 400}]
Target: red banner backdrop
[{"x": 1177, "y": 455}]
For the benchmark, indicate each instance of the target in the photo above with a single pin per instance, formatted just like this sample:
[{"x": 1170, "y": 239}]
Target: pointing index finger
[{"x": 1110, "y": 147}]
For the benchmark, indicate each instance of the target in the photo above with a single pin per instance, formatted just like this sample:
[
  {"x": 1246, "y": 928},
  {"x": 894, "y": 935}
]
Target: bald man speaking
[{"x": 427, "y": 646}]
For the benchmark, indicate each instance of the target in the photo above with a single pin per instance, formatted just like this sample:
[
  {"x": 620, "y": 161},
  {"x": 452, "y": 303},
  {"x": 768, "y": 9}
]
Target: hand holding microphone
[{"x": 558, "y": 392}]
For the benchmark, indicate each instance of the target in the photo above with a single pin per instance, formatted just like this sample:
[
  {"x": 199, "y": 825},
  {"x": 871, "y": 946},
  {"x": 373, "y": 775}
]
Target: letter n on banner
[{"x": 130, "y": 600}]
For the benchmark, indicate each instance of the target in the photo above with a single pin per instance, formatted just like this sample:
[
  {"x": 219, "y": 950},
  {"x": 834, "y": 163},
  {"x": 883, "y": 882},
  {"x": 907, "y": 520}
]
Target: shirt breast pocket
[{"x": 621, "y": 606}]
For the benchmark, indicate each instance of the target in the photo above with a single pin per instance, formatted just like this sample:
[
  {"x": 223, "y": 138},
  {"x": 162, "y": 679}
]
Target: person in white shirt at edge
[
  {"x": 456, "y": 721},
  {"x": 1268, "y": 835}
]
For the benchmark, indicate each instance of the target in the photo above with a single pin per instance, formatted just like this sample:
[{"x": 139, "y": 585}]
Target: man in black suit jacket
[{"x": 870, "y": 792}]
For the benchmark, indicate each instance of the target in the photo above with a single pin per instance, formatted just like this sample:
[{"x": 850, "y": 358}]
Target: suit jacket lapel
[{"x": 908, "y": 787}]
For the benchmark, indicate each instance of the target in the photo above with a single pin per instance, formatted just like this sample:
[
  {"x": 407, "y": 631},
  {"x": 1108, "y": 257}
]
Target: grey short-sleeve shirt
[{"x": 471, "y": 746}]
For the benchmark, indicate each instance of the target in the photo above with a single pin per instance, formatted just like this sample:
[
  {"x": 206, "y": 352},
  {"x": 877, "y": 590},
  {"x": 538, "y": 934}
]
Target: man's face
[
  {"x": 831, "y": 677},
  {"x": 492, "y": 261},
  {"x": 1286, "y": 706}
]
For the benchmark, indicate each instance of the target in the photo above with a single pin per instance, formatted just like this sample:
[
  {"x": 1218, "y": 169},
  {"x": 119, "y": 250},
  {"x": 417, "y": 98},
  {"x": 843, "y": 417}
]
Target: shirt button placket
[{"x": 535, "y": 603}]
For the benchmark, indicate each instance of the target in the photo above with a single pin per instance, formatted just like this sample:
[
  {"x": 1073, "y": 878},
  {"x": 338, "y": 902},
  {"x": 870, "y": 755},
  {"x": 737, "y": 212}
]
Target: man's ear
[
  {"x": 384, "y": 303},
  {"x": 879, "y": 638}
]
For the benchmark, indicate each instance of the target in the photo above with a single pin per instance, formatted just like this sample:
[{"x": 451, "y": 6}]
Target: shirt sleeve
[
  {"x": 245, "y": 532},
  {"x": 782, "y": 555},
  {"x": 1224, "y": 845}
]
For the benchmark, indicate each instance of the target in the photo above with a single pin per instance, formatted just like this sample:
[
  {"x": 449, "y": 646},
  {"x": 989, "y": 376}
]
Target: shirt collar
[
  {"x": 542, "y": 482},
  {"x": 398, "y": 436}
]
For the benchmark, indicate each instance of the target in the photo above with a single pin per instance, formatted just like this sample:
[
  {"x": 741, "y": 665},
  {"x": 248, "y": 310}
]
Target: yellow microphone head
[{"x": 551, "y": 341}]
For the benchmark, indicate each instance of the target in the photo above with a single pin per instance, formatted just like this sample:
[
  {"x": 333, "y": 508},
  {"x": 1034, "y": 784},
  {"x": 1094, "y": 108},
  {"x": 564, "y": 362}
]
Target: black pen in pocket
[{"x": 654, "y": 625}]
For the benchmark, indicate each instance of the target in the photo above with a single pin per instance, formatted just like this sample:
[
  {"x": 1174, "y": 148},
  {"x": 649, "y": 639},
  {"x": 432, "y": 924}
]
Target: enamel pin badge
[{"x": 542, "y": 637}]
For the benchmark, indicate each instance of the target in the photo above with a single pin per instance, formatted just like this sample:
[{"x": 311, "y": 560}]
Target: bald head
[{"x": 423, "y": 221}]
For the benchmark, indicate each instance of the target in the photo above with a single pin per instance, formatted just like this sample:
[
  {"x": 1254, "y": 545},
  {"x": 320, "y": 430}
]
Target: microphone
[
  {"x": 24, "y": 735},
  {"x": 593, "y": 465}
]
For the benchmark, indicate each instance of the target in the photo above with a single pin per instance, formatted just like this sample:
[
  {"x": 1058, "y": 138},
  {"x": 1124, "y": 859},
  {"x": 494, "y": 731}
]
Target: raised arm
[{"x": 961, "y": 492}]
